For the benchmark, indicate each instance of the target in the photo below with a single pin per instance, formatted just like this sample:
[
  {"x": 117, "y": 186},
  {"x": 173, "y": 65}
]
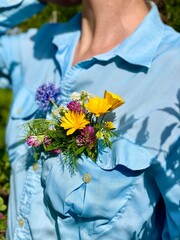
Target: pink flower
[
  {"x": 56, "y": 151},
  {"x": 86, "y": 137},
  {"x": 75, "y": 107},
  {"x": 34, "y": 141},
  {"x": 1, "y": 216},
  {"x": 47, "y": 141}
]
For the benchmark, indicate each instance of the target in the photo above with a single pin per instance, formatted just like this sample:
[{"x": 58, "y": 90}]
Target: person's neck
[{"x": 107, "y": 23}]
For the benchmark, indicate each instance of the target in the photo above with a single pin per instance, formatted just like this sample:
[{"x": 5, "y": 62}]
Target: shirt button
[
  {"x": 35, "y": 166},
  {"x": 21, "y": 222},
  {"x": 87, "y": 178},
  {"x": 18, "y": 111}
]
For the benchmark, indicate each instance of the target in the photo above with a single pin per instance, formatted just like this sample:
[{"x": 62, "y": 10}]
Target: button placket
[{"x": 30, "y": 189}]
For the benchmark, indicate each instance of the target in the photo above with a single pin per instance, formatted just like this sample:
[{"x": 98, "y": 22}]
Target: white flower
[
  {"x": 86, "y": 95},
  {"x": 60, "y": 111},
  {"x": 76, "y": 96}
]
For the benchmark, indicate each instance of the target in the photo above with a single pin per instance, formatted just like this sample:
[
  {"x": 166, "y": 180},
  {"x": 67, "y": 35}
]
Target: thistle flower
[
  {"x": 34, "y": 141},
  {"x": 45, "y": 94},
  {"x": 75, "y": 106}
]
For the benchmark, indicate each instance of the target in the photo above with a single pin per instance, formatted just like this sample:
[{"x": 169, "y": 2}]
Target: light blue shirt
[{"x": 134, "y": 191}]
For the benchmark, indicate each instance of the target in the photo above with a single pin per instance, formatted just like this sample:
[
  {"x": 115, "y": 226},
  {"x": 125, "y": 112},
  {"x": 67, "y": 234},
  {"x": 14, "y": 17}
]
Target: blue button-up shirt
[{"x": 132, "y": 192}]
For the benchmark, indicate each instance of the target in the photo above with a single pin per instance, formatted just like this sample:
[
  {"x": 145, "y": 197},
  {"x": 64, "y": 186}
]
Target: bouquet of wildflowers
[{"x": 74, "y": 129}]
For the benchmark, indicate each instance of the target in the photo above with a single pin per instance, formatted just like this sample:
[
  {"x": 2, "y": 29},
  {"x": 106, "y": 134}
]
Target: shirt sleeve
[{"x": 12, "y": 12}]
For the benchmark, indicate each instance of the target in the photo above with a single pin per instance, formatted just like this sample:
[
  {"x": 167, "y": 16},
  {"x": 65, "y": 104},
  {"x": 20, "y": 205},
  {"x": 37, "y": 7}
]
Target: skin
[{"x": 105, "y": 24}]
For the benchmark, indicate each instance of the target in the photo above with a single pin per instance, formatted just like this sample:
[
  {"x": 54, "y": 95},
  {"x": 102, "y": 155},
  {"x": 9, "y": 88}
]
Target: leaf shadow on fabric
[{"x": 147, "y": 232}]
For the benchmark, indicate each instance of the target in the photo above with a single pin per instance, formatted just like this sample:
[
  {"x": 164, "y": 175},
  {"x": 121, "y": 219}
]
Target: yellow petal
[
  {"x": 109, "y": 125},
  {"x": 98, "y": 106},
  {"x": 70, "y": 131},
  {"x": 73, "y": 121},
  {"x": 114, "y": 99}
]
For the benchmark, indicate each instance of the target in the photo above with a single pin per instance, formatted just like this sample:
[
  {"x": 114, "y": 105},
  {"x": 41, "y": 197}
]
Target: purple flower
[
  {"x": 75, "y": 106},
  {"x": 44, "y": 94},
  {"x": 56, "y": 151},
  {"x": 87, "y": 137},
  {"x": 34, "y": 141},
  {"x": 47, "y": 141}
]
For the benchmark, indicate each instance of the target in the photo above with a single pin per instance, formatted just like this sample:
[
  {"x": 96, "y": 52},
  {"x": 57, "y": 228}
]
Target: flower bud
[{"x": 34, "y": 141}]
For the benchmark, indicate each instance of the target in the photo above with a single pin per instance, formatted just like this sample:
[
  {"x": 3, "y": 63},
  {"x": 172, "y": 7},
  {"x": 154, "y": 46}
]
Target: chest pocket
[
  {"x": 24, "y": 105},
  {"x": 98, "y": 192},
  {"x": 23, "y": 109}
]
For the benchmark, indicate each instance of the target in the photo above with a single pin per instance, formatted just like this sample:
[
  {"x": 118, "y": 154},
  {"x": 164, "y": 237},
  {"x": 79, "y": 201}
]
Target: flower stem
[{"x": 53, "y": 103}]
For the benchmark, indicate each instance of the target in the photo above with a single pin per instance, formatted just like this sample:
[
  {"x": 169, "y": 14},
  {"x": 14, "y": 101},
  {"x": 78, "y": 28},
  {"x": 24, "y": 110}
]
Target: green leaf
[
  {"x": 79, "y": 150},
  {"x": 2, "y": 206},
  {"x": 53, "y": 146},
  {"x": 37, "y": 126}
]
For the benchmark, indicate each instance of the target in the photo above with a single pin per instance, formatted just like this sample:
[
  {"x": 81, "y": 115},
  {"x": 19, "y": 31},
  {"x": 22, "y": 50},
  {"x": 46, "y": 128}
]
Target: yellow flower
[
  {"x": 109, "y": 125},
  {"x": 113, "y": 99},
  {"x": 98, "y": 106},
  {"x": 73, "y": 121},
  {"x": 99, "y": 135}
]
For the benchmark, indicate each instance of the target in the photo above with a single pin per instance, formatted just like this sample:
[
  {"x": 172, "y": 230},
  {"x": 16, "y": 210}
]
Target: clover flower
[
  {"x": 56, "y": 151},
  {"x": 34, "y": 141},
  {"x": 75, "y": 106},
  {"x": 45, "y": 95},
  {"x": 86, "y": 137},
  {"x": 47, "y": 141}
]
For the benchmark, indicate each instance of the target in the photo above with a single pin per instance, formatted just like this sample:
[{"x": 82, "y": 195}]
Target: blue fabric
[
  {"x": 10, "y": 17},
  {"x": 134, "y": 189}
]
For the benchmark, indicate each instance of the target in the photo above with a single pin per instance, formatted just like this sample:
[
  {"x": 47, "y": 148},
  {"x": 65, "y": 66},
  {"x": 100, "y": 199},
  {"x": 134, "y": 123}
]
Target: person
[{"x": 132, "y": 191}]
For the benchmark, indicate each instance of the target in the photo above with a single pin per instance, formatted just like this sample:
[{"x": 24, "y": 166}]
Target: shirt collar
[
  {"x": 139, "y": 48},
  {"x": 66, "y": 41}
]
